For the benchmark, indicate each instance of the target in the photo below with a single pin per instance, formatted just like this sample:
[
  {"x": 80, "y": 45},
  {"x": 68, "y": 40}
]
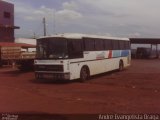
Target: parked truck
[{"x": 17, "y": 54}]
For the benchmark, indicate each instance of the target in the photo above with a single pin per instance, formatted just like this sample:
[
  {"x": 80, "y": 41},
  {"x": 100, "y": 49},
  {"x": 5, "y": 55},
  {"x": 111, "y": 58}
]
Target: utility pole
[
  {"x": 34, "y": 35},
  {"x": 54, "y": 22},
  {"x": 44, "y": 25}
]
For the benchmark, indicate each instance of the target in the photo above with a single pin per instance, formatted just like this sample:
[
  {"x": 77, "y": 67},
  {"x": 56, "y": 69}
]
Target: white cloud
[
  {"x": 7, "y": 0},
  {"x": 33, "y": 14},
  {"x": 30, "y": 18},
  {"x": 70, "y": 5},
  {"x": 115, "y": 17},
  {"x": 68, "y": 15},
  {"x": 125, "y": 16}
]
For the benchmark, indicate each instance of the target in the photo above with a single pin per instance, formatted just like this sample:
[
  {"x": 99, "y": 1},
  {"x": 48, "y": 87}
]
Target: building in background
[{"x": 7, "y": 22}]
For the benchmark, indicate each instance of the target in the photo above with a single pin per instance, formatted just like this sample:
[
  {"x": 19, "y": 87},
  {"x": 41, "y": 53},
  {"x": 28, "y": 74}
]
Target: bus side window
[
  {"x": 99, "y": 44},
  {"x": 89, "y": 44},
  {"x": 108, "y": 45},
  {"x": 115, "y": 44},
  {"x": 122, "y": 45},
  {"x": 75, "y": 48}
]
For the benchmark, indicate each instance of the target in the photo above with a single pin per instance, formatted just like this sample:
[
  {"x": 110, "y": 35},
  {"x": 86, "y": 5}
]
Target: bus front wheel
[{"x": 84, "y": 74}]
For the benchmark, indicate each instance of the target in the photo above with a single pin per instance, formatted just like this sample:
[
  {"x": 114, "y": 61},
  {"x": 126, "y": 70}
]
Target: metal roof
[
  {"x": 9, "y": 26},
  {"x": 145, "y": 40},
  {"x": 22, "y": 45}
]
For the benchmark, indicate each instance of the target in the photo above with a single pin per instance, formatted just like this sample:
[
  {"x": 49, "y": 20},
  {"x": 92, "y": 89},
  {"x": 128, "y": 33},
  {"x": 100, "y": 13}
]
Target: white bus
[{"x": 79, "y": 56}]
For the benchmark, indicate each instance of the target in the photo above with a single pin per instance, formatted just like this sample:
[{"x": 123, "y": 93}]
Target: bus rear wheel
[
  {"x": 121, "y": 66},
  {"x": 84, "y": 74}
]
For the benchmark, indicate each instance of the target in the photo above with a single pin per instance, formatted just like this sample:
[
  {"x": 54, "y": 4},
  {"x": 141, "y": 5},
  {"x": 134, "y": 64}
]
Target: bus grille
[{"x": 56, "y": 68}]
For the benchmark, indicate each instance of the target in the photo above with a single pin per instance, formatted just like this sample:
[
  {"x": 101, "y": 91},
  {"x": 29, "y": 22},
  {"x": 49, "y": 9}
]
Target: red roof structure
[{"x": 22, "y": 45}]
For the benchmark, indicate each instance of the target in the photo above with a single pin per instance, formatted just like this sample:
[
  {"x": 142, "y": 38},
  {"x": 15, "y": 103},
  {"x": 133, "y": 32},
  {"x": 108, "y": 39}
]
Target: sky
[{"x": 119, "y": 18}]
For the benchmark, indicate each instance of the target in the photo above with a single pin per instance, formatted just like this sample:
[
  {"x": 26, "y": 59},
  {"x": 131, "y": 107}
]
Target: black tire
[
  {"x": 121, "y": 66},
  {"x": 84, "y": 74}
]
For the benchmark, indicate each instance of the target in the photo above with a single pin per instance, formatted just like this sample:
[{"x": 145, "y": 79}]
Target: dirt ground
[{"x": 134, "y": 90}]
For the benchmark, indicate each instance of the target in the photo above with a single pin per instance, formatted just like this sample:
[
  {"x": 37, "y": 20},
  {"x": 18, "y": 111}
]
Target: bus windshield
[{"x": 52, "y": 48}]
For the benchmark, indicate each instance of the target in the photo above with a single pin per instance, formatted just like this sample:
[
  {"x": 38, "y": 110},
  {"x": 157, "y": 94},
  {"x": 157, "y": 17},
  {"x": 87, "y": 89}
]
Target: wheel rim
[
  {"x": 84, "y": 74},
  {"x": 121, "y": 66}
]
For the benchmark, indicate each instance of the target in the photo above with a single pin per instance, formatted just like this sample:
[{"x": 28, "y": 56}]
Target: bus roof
[{"x": 80, "y": 36}]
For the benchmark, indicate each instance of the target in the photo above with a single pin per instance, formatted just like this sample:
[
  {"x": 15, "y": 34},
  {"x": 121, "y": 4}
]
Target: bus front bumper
[{"x": 52, "y": 75}]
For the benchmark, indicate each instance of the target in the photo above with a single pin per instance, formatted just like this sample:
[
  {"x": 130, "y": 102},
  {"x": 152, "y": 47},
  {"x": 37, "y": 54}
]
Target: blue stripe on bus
[
  {"x": 124, "y": 53},
  {"x": 120, "y": 53}
]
